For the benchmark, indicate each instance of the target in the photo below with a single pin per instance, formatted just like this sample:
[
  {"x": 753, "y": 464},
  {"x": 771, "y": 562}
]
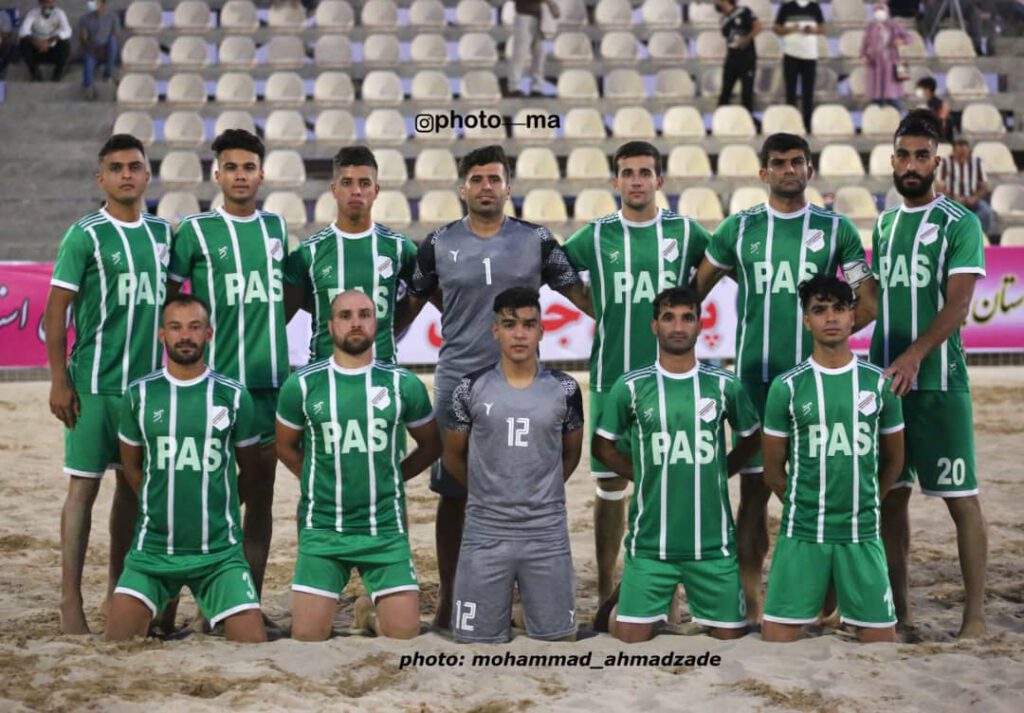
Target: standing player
[
  {"x": 353, "y": 253},
  {"x": 770, "y": 249},
  {"x": 181, "y": 429},
  {"x": 515, "y": 436},
  {"x": 110, "y": 270},
  {"x": 929, "y": 253},
  {"x": 463, "y": 266},
  {"x": 673, "y": 414},
  {"x": 338, "y": 422},
  {"x": 631, "y": 256},
  {"x": 836, "y": 419},
  {"x": 234, "y": 257}
]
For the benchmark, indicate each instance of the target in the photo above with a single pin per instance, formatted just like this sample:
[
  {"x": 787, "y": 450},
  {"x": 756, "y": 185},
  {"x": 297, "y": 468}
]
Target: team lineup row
[{"x": 113, "y": 266}]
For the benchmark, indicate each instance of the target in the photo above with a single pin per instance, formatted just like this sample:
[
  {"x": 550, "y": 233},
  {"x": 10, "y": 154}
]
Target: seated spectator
[
  {"x": 926, "y": 93},
  {"x": 99, "y": 32},
  {"x": 45, "y": 38},
  {"x": 962, "y": 178},
  {"x": 6, "y": 42},
  {"x": 880, "y": 52}
]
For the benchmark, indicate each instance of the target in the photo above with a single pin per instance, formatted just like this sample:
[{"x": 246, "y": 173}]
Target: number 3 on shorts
[
  {"x": 251, "y": 591},
  {"x": 952, "y": 472}
]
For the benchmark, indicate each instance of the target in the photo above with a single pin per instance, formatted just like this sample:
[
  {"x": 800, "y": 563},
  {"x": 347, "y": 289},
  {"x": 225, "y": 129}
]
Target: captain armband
[{"x": 855, "y": 272}]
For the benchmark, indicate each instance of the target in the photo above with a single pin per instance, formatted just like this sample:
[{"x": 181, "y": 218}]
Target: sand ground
[{"x": 43, "y": 670}]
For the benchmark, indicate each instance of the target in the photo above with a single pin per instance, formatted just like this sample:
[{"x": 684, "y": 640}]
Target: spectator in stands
[
  {"x": 962, "y": 178},
  {"x": 6, "y": 42},
  {"x": 99, "y": 31},
  {"x": 528, "y": 42},
  {"x": 926, "y": 92},
  {"x": 905, "y": 12},
  {"x": 880, "y": 52},
  {"x": 799, "y": 22},
  {"x": 739, "y": 26},
  {"x": 45, "y": 38}
]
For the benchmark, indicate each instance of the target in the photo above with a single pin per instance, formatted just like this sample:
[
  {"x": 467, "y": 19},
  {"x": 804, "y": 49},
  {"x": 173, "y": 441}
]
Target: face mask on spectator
[
  {"x": 881, "y": 15},
  {"x": 919, "y": 93},
  {"x": 91, "y": 5},
  {"x": 803, "y": 3}
]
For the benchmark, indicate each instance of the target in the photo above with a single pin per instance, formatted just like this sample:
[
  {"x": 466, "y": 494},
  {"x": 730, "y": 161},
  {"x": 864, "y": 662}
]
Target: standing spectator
[
  {"x": 880, "y": 52},
  {"x": 99, "y": 32},
  {"x": 6, "y": 41},
  {"x": 45, "y": 38},
  {"x": 926, "y": 92},
  {"x": 528, "y": 42},
  {"x": 962, "y": 178},
  {"x": 799, "y": 23},
  {"x": 739, "y": 26}
]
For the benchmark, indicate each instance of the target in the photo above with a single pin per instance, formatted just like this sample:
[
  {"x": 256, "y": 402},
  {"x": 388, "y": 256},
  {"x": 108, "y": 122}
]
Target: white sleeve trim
[
  {"x": 420, "y": 421},
  {"x": 719, "y": 265},
  {"x": 65, "y": 285},
  {"x": 176, "y": 278},
  {"x": 753, "y": 429},
  {"x": 127, "y": 440},
  {"x": 287, "y": 423},
  {"x": 606, "y": 434},
  {"x": 891, "y": 429},
  {"x": 968, "y": 271},
  {"x": 777, "y": 434},
  {"x": 248, "y": 441}
]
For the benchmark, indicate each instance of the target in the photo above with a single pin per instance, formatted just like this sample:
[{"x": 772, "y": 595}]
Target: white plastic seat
[
  {"x": 234, "y": 119},
  {"x": 334, "y": 126},
  {"x": 879, "y": 120},
  {"x": 235, "y": 89},
  {"x": 285, "y": 52},
  {"x": 849, "y": 13},
  {"x": 996, "y": 157},
  {"x": 379, "y": 15},
  {"x": 966, "y": 82},
  {"x": 544, "y": 205},
  {"x": 857, "y": 81},
  {"x": 137, "y": 123},
  {"x": 572, "y": 14},
  {"x": 285, "y": 127},
  {"x": 181, "y": 169},
  {"x": 683, "y": 122},
  {"x": 593, "y": 203},
  {"x": 480, "y": 86},
  {"x": 185, "y": 130},
  {"x": 826, "y": 84},
  {"x": 438, "y": 207},
  {"x": 855, "y": 202},
  {"x": 1013, "y": 237},
  {"x": 540, "y": 131},
  {"x": 325, "y": 210},
  {"x": 700, "y": 203},
  {"x": 577, "y": 85},
  {"x": 982, "y": 120},
  {"x": 385, "y": 126},
  {"x": 435, "y": 165},
  {"x": 573, "y": 48},
  {"x": 840, "y": 161},
  {"x": 814, "y": 197},
  {"x": 747, "y": 197},
  {"x": 144, "y": 17},
  {"x": 915, "y": 50},
  {"x": 334, "y": 89},
  {"x": 239, "y": 16},
  {"x": 237, "y": 52},
  {"x": 391, "y": 169},
  {"x": 381, "y": 51},
  {"x": 392, "y": 209},
  {"x": 702, "y": 15},
  {"x": 633, "y": 122},
  {"x": 290, "y": 206},
  {"x": 426, "y": 15},
  {"x": 286, "y": 17},
  {"x": 140, "y": 53},
  {"x": 624, "y": 85},
  {"x": 431, "y": 85},
  {"x": 186, "y": 90},
  {"x": 332, "y": 51},
  {"x": 1008, "y": 200},
  {"x": 832, "y": 121},
  {"x": 189, "y": 52},
  {"x": 674, "y": 84},
  {"x": 284, "y": 89},
  {"x": 175, "y": 206},
  {"x": 474, "y": 15},
  {"x": 429, "y": 50},
  {"x": 613, "y": 14},
  {"x": 536, "y": 163},
  {"x": 137, "y": 91},
  {"x": 619, "y": 47},
  {"x": 587, "y": 163},
  {"x": 782, "y": 118},
  {"x": 710, "y": 46},
  {"x": 584, "y": 124},
  {"x": 191, "y": 16},
  {"x": 382, "y": 88},
  {"x": 478, "y": 49},
  {"x": 667, "y": 47},
  {"x": 738, "y": 161},
  {"x": 768, "y": 47},
  {"x": 850, "y": 43},
  {"x": 661, "y": 14},
  {"x": 334, "y": 15},
  {"x": 689, "y": 161},
  {"x": 953, "y": 45},
  {"x": 284, "y": 168},
  {"x": 880, "y": 161},
  {"x": 732, "y": 122}
]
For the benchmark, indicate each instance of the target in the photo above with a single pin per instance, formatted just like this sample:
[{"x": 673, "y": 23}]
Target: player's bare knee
[
  {"x": 311, "y": 630},
  {"x": 245, "y": 628},
  {"x": 82, "y": 491},
  {"x": 726, "y": 634},
  {"x": 633, "y": 633}
]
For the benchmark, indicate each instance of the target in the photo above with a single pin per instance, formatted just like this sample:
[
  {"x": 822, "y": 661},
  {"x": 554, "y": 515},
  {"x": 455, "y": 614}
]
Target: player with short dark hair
[{"x": 514, "y": 436}]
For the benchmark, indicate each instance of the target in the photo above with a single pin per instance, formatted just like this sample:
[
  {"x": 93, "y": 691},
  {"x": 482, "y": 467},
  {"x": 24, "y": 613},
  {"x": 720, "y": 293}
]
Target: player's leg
[
  {"x": 226, "y": 592},
  {"x": 390, "y": 579},
  {"x": 483, "y": 590},
  {"x": 972, "y": 546},
  {"x": 797, "y": 584},
  {"x": 609, "y": 510},
  {"x": 752, "y": 539},
  {"x": 258, "y": 520},
  {"x": 316, "y": 587},
  {"x": 451, "y": 513},
  {"x": 862, "y": 588},
  {"x": 896, "y": 537},
  {"x": 547, "y": 586},
  {"x": 128, "y": 618},
  {"x": 716, "y": 597},
  {"x": 245, "y": 627},
  {"x": 645, "y": 597},
  {"x": 138, "y": 597},
  {"x": 398, "y": 615},
  {"x": 312, "y": 615},
  {"x": 124, "y": 511}
]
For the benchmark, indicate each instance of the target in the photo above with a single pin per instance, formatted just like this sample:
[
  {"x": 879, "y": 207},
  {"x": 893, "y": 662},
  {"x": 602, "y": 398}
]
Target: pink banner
[{"x": 23, "y": 290}]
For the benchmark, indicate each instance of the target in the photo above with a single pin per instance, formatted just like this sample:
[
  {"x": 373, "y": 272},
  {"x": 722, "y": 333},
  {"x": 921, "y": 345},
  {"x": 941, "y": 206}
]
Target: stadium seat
[
  {"x": 429, "y": 50},
  {"x": 485, "y": 134},
  {"x": 137, "y": 91},
  {"x": 826, "y": 84},
  {"x": 144, "y": 17},
  {"x": 850, "y": 43},
  {"x": 782, "y": 117},
  {"x": 953, "y": 45},
  {"x": 584, "y": 124},
  {"x": 689, "y": 161},
  {"x": 746, "y": 197},
  {"x": 285, "y": 127},
  {"x": 334, "y": 15},
  {"x": 573, "y": 14},
  {"x": 379, "y": 15},
  {"x": 426, "y": 15},
  {"x": 593, "y": 203},
  {"x": 661, "y": 14},
  {"x": 880, "y": 164},
  {"x": 284, "y": 89},
  {"x": 710, "y": 46},
  {"x": 966, "y": 82},
  {"x": 186, "y": 90},
  {"x": 392, "y": 209},
  {"x": 435, "y": 165},
  {"x": 703, "y": 15},
  {"x": 184, "y": 130},
  {"x": 191, "y": 16},
  {"x": 892, "y": 198},
  {"x": 474, "y": 15},
  {"x": 445, "y": 135},
  {"x": 391, "y": 169},
  {"x": 1013, "y": 237},
  {"x": 857, "y": 81},
  {"x": 137, "y": 123},
  {"x": 239, "y": 16},
  {"x": 840, "y": 161},
  {"x": 814, "y": 197},
  {"x": 140, "y": 53},
  {"x": 478, "y": 49},
  {"x": 619, "y": 48},
  {"x": 915, "y": 50},
  {"x": 866, "y": 237},
  {"x": 334, "y": 126},
  {"x": 286, "y": 52},
  {"x": 234, "y": 119},
  {"x": 288, "y": 205},
  {"x": 767, "y": 81},
  {"x": 284, "y": 168},
  {"x": 522, "y": 132},
  {"x": 480, "y": 86},
  {"x": 181, "y": 169},
  {"x": 190, "y": 52},
  {"x": 768, "y": 47},
  {"x": 536, "y": 163},
  {"x": 333, "y": 89},
  {"x": 332, "y": 51},
  {"x": 174, "y": 206},
  {"x": 683, "y": 122},
  {"x": 587, "y": 163},
  {"x": 738, "y": 161},
  {"x": 982, "y": 120},
  {"x": 624, "y": 85},
  {"x": 439, "y": 207},
  {"x": 286, "y": 17},
  {"x": 732, "y": 122},
  {"x": 577, "y": 85},
  {"x": 633, "y": 122},
  {"x": 700, "y": 203},
  {"x": 855, "y": 202},
  {"x": 235, "y": 89},
  {"x": 237, "y": 52},
  {"x": 848, "y": 13},
  {"x": 382, "y": 51},
  {"x": 613, "y": 14},
  {"x": 832, "y": 121},
  {"x": 385, "y": 126},
  {"x": 325, "y": 210},
  {"x": 544, "y": 205},
  {"x": 879, "y": 121},
  {"x": 764, "y": 10},
  {"x": 1008, "y": 200},
  {"x": 996, "y": 157},
  {"x": 572, "y": 49},
  {"x": 667, "y": 47},
  {"x": 382, "y": 88},
  {"x": 661, "y": 200},
  {"x": 674, "y": 84},
  {"x": 430, "y": 85}
]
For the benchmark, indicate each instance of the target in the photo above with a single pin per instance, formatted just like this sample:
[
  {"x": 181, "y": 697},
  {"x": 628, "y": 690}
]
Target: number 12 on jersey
[{"x": 517, "y": 430}]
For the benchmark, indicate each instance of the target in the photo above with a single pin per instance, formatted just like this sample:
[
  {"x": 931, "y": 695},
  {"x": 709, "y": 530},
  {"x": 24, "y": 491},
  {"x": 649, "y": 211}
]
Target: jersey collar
[
  {"x": 675, "y": 375},
  {"x": 353, "y": 236},
  {"x": 785, "y": 216},
  {"x": 349, "y": 372},
  {"x": 833, "y": 372},
  {"x": 191, "y": 382},
  {"x": 927, "y": 206},
  {"x": 121, "y": 223},
  {"x": 644, "y": 224},
  {"x": 238, "y": 218}
]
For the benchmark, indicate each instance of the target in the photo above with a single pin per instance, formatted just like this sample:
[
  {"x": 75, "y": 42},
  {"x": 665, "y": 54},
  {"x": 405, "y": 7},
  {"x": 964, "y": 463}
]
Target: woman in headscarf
[{"x": 881, "y": 55}]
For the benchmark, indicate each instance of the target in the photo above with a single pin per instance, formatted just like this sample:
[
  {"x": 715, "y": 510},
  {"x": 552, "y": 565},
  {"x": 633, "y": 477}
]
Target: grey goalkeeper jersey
[
  {"x": 471, "y": 272},
  {"x": 516, "y": 489}
]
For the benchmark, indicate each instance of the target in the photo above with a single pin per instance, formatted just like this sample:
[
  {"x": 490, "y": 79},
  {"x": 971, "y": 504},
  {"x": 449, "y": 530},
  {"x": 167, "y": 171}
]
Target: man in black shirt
[
  {"x": 799, "y": 23},
  {"x": 739, "y": 26}
]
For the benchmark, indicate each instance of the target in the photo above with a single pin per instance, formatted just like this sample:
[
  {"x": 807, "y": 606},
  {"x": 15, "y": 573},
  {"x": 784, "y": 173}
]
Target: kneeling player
[
  {"x": 515, "y": 438},
  {"x": 337, "y": 430},
  {"x": 680, "y": 522},
  {"x": 846, "y": 427},
  {"x": 178, "y": 430}
]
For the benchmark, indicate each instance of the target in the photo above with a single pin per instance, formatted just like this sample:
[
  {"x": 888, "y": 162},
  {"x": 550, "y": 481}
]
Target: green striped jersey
[
  {"x": 833, "y": 418},
  {"x": 772, "y": 253},
  {"x": 379, "y": 262},
  {"x": 351, "y": 476},
  {"x": 915, "y": 250},
  {"x": 118, "y": 272},
  {"x": 629, "y": 264},
  {"x": 675, "y": 424},
  {"x": 235, "y": 265},
  {"x": 188, "y": 431}
]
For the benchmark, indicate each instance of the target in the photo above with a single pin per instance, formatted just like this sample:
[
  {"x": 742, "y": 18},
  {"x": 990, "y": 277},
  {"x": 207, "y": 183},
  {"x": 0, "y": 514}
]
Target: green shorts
[
  {"x": 757, "y": 392},
  {"x": 92, "y": 445},
  {"x": 264, "y": 403},
  {"x": 939, "y": 440},
  {"x": 712, "y": 586},
  {"x": 326, "y": 559},
  {"x": 221, "y": 582},
  {"x": 598, "y": 469},
  {"x": 800, "y": 574}
]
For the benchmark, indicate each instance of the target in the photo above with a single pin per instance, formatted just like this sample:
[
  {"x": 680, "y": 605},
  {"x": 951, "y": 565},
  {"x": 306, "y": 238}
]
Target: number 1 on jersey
[{"x": 487, "y": 270}]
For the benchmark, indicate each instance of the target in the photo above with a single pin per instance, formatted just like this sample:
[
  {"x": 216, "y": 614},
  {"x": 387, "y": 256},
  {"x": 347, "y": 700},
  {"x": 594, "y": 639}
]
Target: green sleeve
[
  {"x": 966, "y": 246},
  {"x": 740, "y": 410},
  {"x": 128, "y": 426},
  {"x": 73, "y": 257},
  {"x": 408, "y": 266},
  {"x": 296, "y": 268},
  {"x": 416, "y": 408},
  {"x": 848, "y": 245},
  {"x": 776, "y": 410},
  {"x": 876, "y": 235},
  {"x": 722, "y": 244},
  {"x": 246, "y": 432},
  {"x": 700, "y": 239},
  {"x": 289, "y": 404},
  {"x": 184, "y": 250},
  {"x": 616, "y": 416},
  {"x": 580, "y": 248},
  {"x": 890, "y": 419}
]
